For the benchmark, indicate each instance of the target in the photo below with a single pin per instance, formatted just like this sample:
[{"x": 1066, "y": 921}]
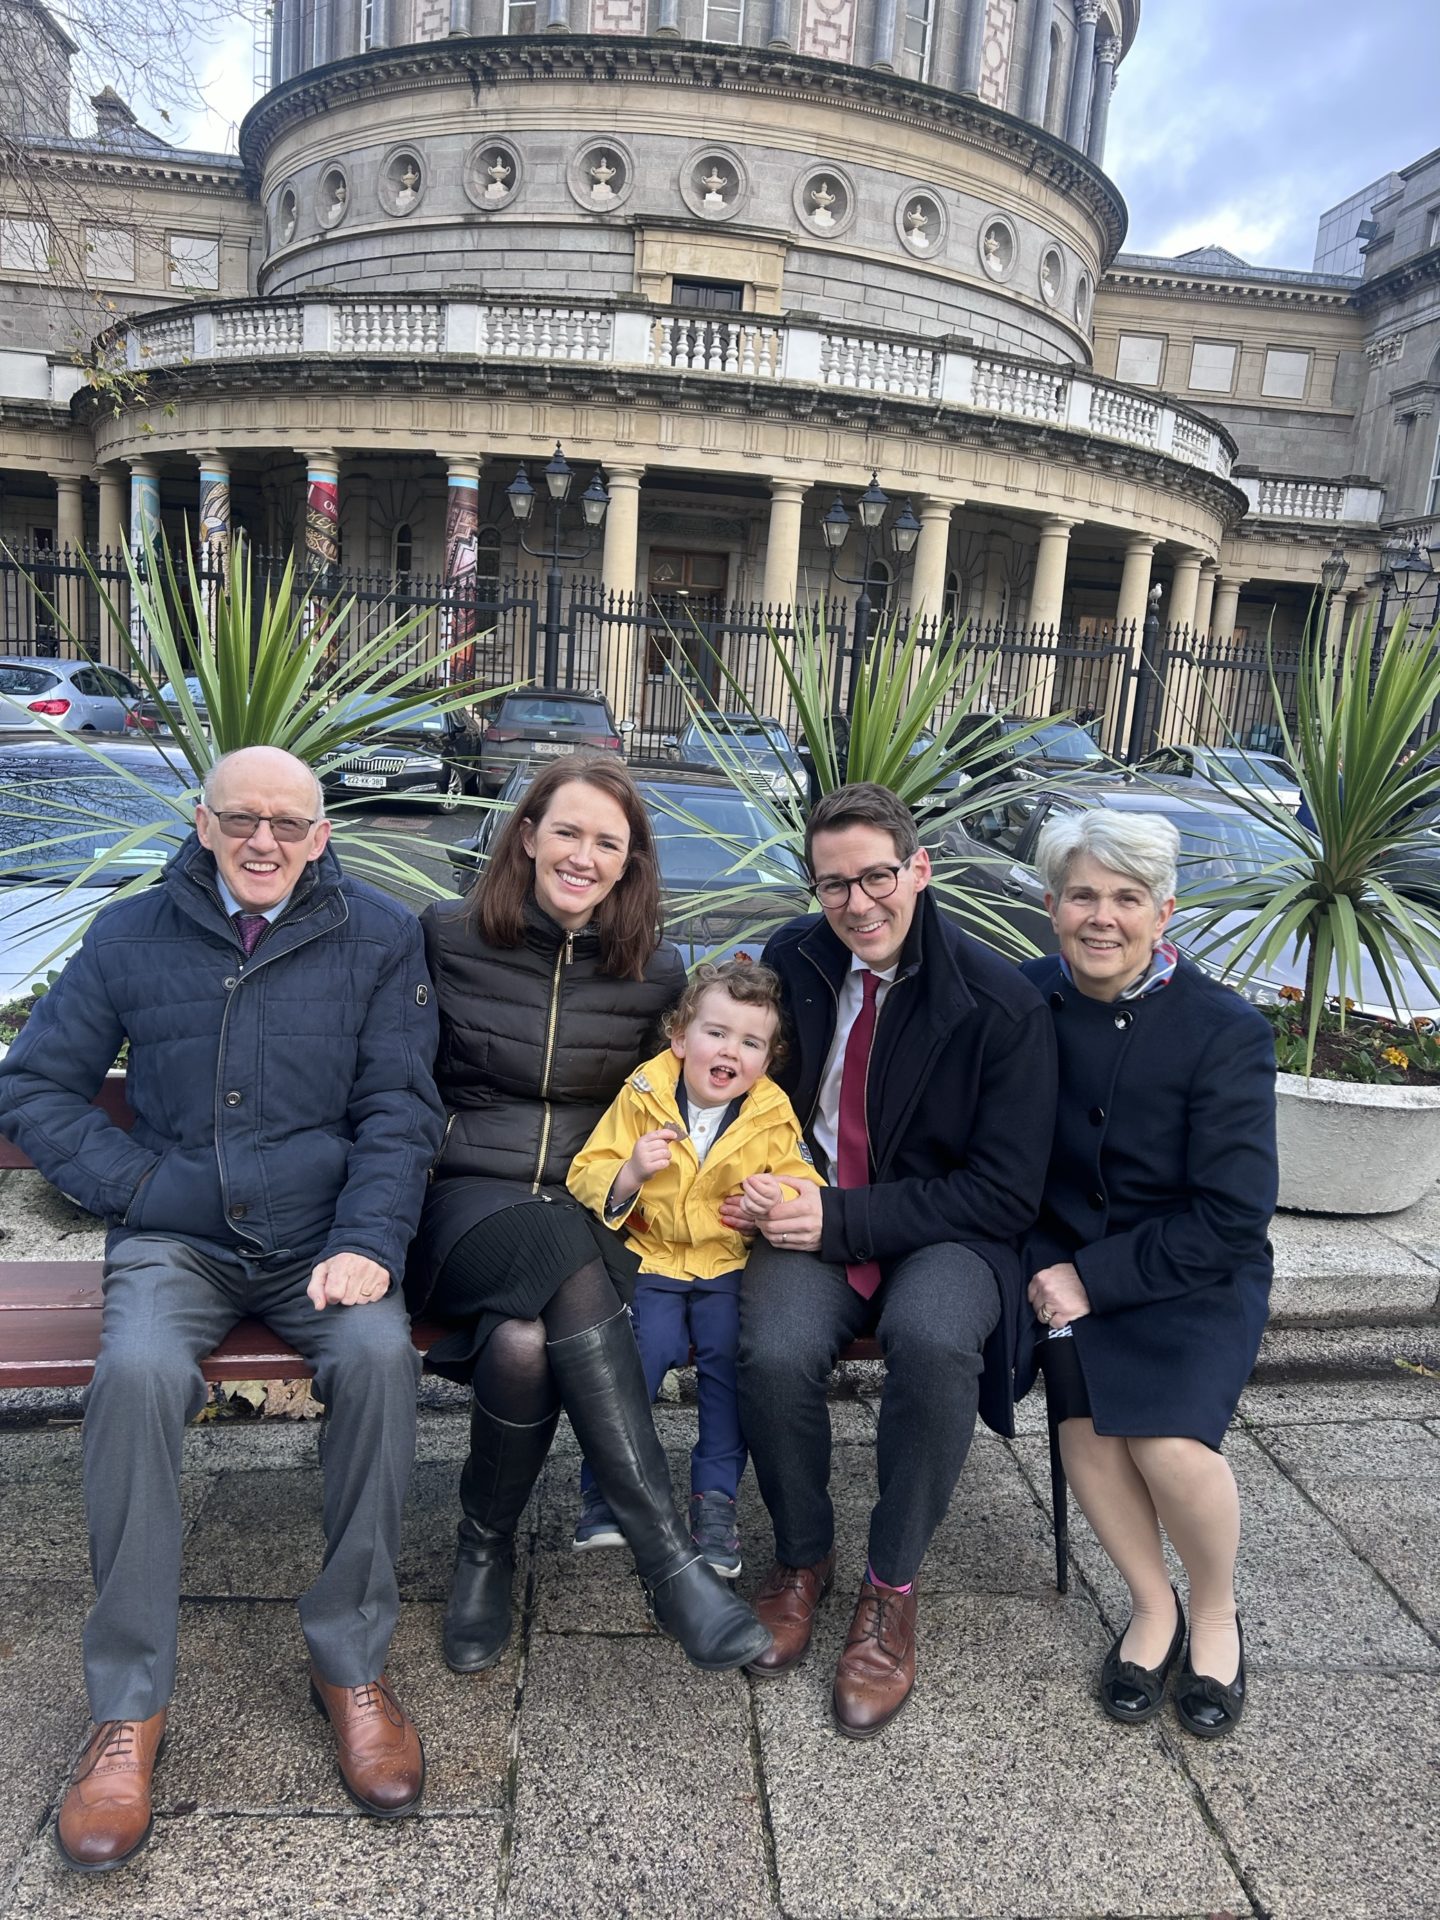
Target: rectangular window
[
  {"x": 367, "y": 25},
  {"x": 1433, "y": 499},
  {"x": 1287, "y": 374},
  {"x": 917, "y": 30},
  {"x": 1432, "y": 233},
  {"x": 194, "y": 264},
  {"x": 109, "y": 254},
  {"x": 1140, "y": 358},
  {"x": 1212, "y": 366},
  {"x": 724, "y": 20},
  {"x": 520, "y": 16},
  {"x": 25, "y": 246},
  {"x": 715, "y": 296}
]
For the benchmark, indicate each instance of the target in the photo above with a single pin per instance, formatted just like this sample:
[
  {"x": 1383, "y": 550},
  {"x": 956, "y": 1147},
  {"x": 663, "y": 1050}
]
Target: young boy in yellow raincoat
[{"x": 689, "y": 1127}]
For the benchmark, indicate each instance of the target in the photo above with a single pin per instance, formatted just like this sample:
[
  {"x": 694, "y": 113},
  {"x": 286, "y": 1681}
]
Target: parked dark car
[
  {"x": 1059, "y": 743},
  {"x": 77, "y": 696},
  {"x": 702, "y": 826},
  {"x": 761, "y": 746},
  {"x": 426, "y": 752},
  {"x": 1227, "y": 766},
  {"x": 148, "y": 717},
  {"x": 543, "y": 721}
]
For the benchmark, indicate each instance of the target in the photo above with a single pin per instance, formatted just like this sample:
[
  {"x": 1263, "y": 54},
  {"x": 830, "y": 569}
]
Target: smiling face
[
  {"x": 259, "y": 869},
  {"x": 1108, "y": 926},
  {"x": 579, "y": 846},
  {"x": 726, "y": 1047},
  {"x": 873, "y": 930}
]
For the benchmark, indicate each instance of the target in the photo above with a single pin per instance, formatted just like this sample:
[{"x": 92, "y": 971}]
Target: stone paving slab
[
  {"x": 1001, "y": 1790},
  {"x": 42, "y": 1704},
  {"x": 1285, "y": 1403}
]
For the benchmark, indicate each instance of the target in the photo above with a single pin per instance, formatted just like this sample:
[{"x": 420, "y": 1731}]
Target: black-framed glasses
[
  {"x": 878, "y": 882},
  {"x": 288, "y": 827}
]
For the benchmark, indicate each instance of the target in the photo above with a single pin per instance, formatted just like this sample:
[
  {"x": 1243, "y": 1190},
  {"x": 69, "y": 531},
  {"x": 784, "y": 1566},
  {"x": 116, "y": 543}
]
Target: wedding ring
[{"x": 1044, "y": 1316}]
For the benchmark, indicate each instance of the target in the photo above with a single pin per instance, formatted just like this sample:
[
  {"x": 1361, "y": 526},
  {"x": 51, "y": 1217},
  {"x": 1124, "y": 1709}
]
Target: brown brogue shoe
[
  {"x": 786, "y": 1604},
  {"x": 382, "y": 1763},
  {"x": 105, "y": 1818},
  {"x": 877, "y": 1668}
]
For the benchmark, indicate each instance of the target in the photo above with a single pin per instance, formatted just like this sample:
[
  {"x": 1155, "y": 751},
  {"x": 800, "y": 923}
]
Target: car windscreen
[
  {"x": 26, "y": 682},
  {"x": 78, "y": 811},
  {"x": 1061, "y": 743},
  {"x": 1250, "y": 770},
  {"x": 700, "y": 834},
  {"x": 727, "y": 750},
  {"x": 522, "y": 710},
  {"x": 1215, "y": 847}
]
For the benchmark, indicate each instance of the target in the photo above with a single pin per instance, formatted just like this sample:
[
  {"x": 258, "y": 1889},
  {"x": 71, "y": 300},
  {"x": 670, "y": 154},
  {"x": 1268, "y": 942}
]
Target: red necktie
[
  {"x": 852, "y": 1143},
  {"x": 249, "y": 926}
]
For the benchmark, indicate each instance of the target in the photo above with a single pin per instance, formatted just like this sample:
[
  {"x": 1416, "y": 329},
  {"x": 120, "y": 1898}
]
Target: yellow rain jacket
[{"x": 674, "y": 1220}]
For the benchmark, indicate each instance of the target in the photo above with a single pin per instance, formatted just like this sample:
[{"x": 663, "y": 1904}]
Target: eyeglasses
[
  {"x": 878, "y": 882},
  {"x": 239, "y": 826}
]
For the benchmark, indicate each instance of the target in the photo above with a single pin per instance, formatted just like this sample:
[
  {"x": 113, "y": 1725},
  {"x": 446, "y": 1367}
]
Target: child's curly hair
[{"x": 746, "y": 981}]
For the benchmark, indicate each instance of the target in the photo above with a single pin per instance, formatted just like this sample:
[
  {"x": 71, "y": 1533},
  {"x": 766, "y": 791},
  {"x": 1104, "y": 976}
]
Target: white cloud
[{"x": 226, "y": 82}]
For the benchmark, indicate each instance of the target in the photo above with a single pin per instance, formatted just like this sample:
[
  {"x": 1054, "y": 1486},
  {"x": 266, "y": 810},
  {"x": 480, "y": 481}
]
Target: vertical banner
[
  {"x": 322, "y": 533},
  {"x": 214, "y": 535},
  {"x": 462, "y": 519},
  {"x": 144, "y": 531}
]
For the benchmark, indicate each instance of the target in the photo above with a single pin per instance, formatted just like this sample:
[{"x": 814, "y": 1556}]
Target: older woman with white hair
[{"x": 1150, "y": 1265}]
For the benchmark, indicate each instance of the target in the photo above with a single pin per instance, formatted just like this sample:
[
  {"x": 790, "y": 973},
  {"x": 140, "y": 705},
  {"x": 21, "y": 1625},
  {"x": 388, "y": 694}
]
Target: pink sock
[{"x": 875, "y": 1581}]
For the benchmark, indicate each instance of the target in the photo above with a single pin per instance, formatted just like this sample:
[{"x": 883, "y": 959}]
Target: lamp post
[
  {"x": 835, "y": 526},
  {"x": 1405, "y": 569},
  {"x": 593, "y": 502}
]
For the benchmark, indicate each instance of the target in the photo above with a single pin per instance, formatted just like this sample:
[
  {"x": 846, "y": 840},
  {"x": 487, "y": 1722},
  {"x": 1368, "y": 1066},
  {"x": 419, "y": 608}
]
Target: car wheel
[{"x": 454, "y": 790}]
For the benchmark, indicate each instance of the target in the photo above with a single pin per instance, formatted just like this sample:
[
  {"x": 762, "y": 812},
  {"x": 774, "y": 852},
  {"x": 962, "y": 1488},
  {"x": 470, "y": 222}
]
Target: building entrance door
[{"x": 686, "y": 595}]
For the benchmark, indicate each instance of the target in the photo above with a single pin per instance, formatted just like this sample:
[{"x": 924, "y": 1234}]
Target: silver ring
[{"x": 1044, "y": 1316}]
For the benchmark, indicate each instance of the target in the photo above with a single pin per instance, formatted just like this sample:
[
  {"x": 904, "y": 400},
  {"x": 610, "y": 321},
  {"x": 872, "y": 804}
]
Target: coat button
[
  {"x": 229, "y": 982},
  {"x": 1097, "y": 1116},
  {"x": 1122, "y": 1020},
  {"x": 1057, "y": 1000},
  {"x": 1097, "y": 1201},
  {"x": 232, "y": 1099},
  {"x": 239, "y": 1210}
]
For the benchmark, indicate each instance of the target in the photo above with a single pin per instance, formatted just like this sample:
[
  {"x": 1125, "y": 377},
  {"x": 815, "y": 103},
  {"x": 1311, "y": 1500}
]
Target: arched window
[
  {"x": 402, "y": 555},
  {"x": 487, "y": 554}
]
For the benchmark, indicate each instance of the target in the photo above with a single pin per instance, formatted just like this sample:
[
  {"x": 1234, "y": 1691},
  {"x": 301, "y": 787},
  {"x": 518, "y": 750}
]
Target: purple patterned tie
[
  {"x": 852, "y": 1139},
  {"x": 249, "y": 926}
]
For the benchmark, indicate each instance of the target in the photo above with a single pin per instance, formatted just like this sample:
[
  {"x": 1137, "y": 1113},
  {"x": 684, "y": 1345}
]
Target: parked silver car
[{"x": 76, "y": 695}]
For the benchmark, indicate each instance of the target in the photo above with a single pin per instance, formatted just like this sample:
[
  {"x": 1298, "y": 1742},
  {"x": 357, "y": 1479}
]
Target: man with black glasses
[
  {"x": 923, "y": 1068},
  {"x": 282, "y": 1030}
]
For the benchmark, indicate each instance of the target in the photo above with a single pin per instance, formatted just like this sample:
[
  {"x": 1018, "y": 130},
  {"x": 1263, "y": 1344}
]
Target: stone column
[
  {"x": 1130, "y": 610},
  {"x": 1106, "y": 54},
  {"x": 67, "y": 588},
  {"x": 144, "y": 530},
  {"x": 782, "y": 24},
  {"x": 557, "y": 17},
  {"x": 1184, "y": 591},
  {"x": 1205, "y": 597},
  {"x": 110, "y": 483},
  {"x": 782, "y": 549},
  {"x": 617, "y": 576},
  {"x": 1087, "y": 13},
  {"x": 1185, "y": 708},
  {"x": 1225, "y": 605},
  {"x": 669, "y": 21},
  {"x": 932, "y": 550},
  {"x": 462, "y": 525},
  {"x": 1037, "y": 66},
  {"x": 459, "y": 16},
  {"x": 882, "y": 37},
  {"x": 212, "y": 535},
  {"x": 972, "y": 42},
  {"x": 1047, "y": 596}
]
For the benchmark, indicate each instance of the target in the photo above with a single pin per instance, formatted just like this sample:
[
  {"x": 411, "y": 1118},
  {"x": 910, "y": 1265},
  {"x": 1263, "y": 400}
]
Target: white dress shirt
[
  {"x": 704, "y": 1127},
  {"x": 232, "y": 906},
  {"x": 826, "y": 1124}
]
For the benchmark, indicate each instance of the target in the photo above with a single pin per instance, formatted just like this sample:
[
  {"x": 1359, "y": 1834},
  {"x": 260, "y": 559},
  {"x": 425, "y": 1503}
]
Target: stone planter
[{"x": 1346, "y": 1147}]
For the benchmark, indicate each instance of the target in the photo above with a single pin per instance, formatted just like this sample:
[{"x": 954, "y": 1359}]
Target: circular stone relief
[
  {"x": 713, "y": 183},
  {"x": 998, "y": 246},
  {"x": 402, "y": 181},
  {"x": 1084, "y": 298},
  {"x": 825, "y": 201},
  {"x": 1052, "y": 276},
  {"x": 332, "y": 197},
  {"x": 602, "y": 176},
  {"x": 491, "y": 177},
  {"x": 287, "y": 214},
  {"x": 920, "y": 222}
]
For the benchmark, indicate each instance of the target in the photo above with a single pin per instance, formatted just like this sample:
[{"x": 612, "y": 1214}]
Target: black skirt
[
  {"x": 1066, "y": 1395},
  {"x": 509, "y": 1266}
]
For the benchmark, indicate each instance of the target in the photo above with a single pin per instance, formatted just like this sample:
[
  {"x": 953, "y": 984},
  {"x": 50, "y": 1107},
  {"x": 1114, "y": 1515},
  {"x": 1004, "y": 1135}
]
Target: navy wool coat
[
  {"x": 960, "y": 1100},
  {"x": 284, "y": 1104},
  {"x": 1161, "y": 1187}
]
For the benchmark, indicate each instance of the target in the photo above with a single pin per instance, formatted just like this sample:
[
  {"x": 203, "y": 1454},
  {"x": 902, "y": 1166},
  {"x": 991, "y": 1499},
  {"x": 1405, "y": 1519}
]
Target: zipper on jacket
[
  {"x": 562, "y": 959},
  {"x": 440, "y": 1150}
]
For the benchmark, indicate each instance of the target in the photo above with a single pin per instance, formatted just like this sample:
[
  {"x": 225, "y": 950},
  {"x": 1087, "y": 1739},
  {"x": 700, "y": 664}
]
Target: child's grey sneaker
[
  {"x": 597, "y": 1526},
  {"x": 713, "y": 1529}
]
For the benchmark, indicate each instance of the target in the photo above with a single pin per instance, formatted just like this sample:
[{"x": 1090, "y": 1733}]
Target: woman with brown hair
[{"x": 551, "y": 979}]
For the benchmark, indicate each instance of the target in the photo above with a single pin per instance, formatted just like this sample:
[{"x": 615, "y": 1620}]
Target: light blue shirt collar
[{"x": 232, "y": 905}]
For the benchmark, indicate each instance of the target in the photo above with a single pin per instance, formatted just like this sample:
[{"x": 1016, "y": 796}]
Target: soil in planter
[{"x": 1357, "y": 1053}]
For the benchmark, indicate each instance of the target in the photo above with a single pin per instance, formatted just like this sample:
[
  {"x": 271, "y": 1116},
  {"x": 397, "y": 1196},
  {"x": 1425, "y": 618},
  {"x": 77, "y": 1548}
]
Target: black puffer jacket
[{"x": 535, "y": 1042}]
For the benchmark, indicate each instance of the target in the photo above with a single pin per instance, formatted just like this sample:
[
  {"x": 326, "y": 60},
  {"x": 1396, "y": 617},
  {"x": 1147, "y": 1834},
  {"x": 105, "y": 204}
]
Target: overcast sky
[{"x": 1233, "y": 121}]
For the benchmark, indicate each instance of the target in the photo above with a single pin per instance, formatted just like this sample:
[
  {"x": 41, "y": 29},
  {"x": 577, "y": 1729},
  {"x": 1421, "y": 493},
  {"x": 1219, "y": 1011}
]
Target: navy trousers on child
[{"x": 669, "y": 1318}]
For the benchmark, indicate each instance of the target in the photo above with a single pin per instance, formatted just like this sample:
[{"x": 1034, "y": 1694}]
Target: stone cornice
[
  {"x": 691, "y": 393},
  {"x": 619, "y": 60},
  {"x": 1210, "y": 288},
  {"x": 179, "y": 172},
  {"x": 1421, "y": 271}
]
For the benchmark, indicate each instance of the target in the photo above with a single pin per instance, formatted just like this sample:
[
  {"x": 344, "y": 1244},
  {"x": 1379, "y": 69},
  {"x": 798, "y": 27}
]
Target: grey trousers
[
  {"x": 166, "y": 1306},
  {"x": 932, "y": 1315}
]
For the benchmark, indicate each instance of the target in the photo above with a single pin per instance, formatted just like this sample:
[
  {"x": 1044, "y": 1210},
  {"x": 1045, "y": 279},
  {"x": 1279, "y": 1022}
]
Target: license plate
[
  {"x": 374, "y": 780},
  {"x": 553, "y": 746}
]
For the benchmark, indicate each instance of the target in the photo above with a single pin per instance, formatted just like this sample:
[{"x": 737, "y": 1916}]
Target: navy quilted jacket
[{"x": 284, "y": 1104}]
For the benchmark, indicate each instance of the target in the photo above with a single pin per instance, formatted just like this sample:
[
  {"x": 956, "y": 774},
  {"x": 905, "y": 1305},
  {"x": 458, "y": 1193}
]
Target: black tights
[{"x": 512, "y": 1377}]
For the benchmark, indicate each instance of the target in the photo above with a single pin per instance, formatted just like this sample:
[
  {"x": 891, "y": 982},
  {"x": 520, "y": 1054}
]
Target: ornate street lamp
[
  {"x": 558, "y": 476},
  {"x": 835, "y": 527}
]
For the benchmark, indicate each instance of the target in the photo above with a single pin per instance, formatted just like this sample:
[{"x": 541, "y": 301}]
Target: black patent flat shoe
[
  {"x": 1134, "y": 1694},
  {"x": 1204, "y": 1706}
]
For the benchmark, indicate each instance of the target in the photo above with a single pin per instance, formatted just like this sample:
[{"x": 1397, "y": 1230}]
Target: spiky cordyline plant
[
  {"x": 1359, "y": 703},
  {"x": 906, "y": 683},
  {"x": 270, "y": 674}
]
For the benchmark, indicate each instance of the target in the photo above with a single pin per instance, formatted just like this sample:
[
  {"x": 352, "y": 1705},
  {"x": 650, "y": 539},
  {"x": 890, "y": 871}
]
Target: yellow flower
[
  {"x": 1393, "y": 1057},
  {"x": 1292, "y": 993}
]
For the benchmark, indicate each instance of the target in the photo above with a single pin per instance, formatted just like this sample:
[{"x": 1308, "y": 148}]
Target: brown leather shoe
[
  {"x": 105, "y": 1818},
  {"x": 877, "y": 1668},
  {"x": 382, "y": 1763},
  {"x": 786, "y": 1604}
]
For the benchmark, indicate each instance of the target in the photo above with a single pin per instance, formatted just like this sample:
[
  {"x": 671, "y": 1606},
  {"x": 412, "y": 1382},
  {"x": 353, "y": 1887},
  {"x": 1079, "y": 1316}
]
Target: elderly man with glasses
[
  {"x": 282, "y": 1030},
  {"x": 923, "y": 1069}
]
